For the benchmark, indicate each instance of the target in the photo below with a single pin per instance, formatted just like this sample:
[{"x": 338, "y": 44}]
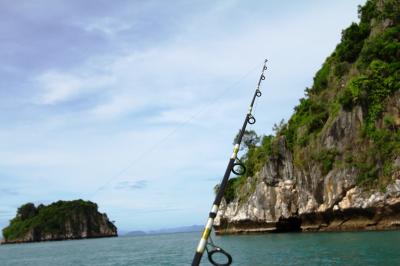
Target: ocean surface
[{"x": 358, "y": 248}]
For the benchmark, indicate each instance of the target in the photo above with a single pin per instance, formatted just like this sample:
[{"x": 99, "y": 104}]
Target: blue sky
[{"x": 134, "y": 104}]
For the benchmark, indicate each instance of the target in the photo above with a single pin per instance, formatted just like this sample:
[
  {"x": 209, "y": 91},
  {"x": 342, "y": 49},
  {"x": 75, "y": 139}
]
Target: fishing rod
[{"x": 206, "y": 243}]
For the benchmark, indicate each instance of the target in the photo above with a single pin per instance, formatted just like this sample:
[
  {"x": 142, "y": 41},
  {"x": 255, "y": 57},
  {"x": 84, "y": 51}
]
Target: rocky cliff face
[
  {"x": 285, "y": 197},
  {"x": 338, "y": 177},
  {"x": 59, "y": 221}
]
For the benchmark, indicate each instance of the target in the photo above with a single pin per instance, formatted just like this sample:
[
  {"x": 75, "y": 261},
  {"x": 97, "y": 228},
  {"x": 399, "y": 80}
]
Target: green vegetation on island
[{"x": 60, "y": 220}]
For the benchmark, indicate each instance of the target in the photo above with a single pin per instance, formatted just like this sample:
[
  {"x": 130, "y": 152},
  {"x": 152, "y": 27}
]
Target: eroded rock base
[{"x": 385, "y": 217}]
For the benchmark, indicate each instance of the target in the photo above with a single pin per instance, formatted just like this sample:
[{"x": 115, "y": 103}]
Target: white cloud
[
  {"x": 182, "y": 74},
  {"x": 117, "y": 105},
  {"x": 107, "y": 25},
  {"x": 60, "y": 86}
]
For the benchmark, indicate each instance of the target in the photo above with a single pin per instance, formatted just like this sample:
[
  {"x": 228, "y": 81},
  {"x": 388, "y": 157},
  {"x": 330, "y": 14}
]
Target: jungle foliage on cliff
[
  {"x": 362, "y": 72},
  {"x": 52, "y": 219}
]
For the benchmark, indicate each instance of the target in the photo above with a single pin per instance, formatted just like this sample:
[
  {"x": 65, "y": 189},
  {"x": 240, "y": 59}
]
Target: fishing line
[{"x": 203, "y": 110}]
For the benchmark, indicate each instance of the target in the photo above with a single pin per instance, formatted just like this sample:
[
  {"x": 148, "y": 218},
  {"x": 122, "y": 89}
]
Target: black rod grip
[{"x": 197, "y": 259}]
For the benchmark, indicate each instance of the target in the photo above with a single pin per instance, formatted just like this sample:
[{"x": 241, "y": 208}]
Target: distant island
[
  {"x": 183, "y": 229},
  {"x": 62, "y": 220}
]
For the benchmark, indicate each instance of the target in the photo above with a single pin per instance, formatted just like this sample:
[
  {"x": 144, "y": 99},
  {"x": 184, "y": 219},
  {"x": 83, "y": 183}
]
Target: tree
[
  {"x": 250, "y": 139},
  {"x": 27, "y": 211},
  {"x": 277, "y": 128}
]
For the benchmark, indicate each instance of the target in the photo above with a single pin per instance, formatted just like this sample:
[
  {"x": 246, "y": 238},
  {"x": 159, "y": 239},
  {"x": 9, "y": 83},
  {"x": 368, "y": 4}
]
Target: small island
[{"x": 61, "y": 220}]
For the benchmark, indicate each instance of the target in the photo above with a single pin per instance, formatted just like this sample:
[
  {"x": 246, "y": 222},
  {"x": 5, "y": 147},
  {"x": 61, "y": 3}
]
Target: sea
[{"x": 347, "y": 248}]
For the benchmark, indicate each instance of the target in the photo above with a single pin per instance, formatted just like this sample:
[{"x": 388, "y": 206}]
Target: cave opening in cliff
[{"x": 292, "y": 224}]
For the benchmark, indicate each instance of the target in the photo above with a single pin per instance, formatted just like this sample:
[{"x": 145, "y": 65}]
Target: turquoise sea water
[{"x": 362, "y": 248}]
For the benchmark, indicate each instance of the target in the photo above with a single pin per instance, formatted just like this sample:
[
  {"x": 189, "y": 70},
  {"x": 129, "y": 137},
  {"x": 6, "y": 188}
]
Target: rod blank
[{"x": 249, "y": 119}]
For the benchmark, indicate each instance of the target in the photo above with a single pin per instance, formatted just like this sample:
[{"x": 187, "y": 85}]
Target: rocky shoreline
[
  {"x": 49, "y": 239},
  {"x": 357, "y": 210},
  {"x": 379, "y": 218}
]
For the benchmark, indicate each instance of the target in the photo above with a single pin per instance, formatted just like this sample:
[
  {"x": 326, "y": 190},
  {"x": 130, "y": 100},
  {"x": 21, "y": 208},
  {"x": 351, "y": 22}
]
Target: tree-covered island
[{"x": 60, "y": 220}]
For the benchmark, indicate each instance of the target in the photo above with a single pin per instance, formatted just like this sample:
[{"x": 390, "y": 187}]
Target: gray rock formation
[{"x": 284, "y": 196}]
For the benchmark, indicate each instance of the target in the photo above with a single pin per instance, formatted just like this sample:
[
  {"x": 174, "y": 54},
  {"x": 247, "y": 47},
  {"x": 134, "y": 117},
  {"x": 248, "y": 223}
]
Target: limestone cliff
[
  {"x": 336, "y": 164},
  {"x": 58, "y": 221}
]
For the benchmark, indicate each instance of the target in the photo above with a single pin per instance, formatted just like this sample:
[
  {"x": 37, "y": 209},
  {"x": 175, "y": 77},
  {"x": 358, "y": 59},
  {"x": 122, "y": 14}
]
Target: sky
[{"x": 134, "y": 104}]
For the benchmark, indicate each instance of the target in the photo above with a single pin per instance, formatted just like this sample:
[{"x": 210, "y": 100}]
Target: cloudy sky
[{"x": 134, "y": 104}]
